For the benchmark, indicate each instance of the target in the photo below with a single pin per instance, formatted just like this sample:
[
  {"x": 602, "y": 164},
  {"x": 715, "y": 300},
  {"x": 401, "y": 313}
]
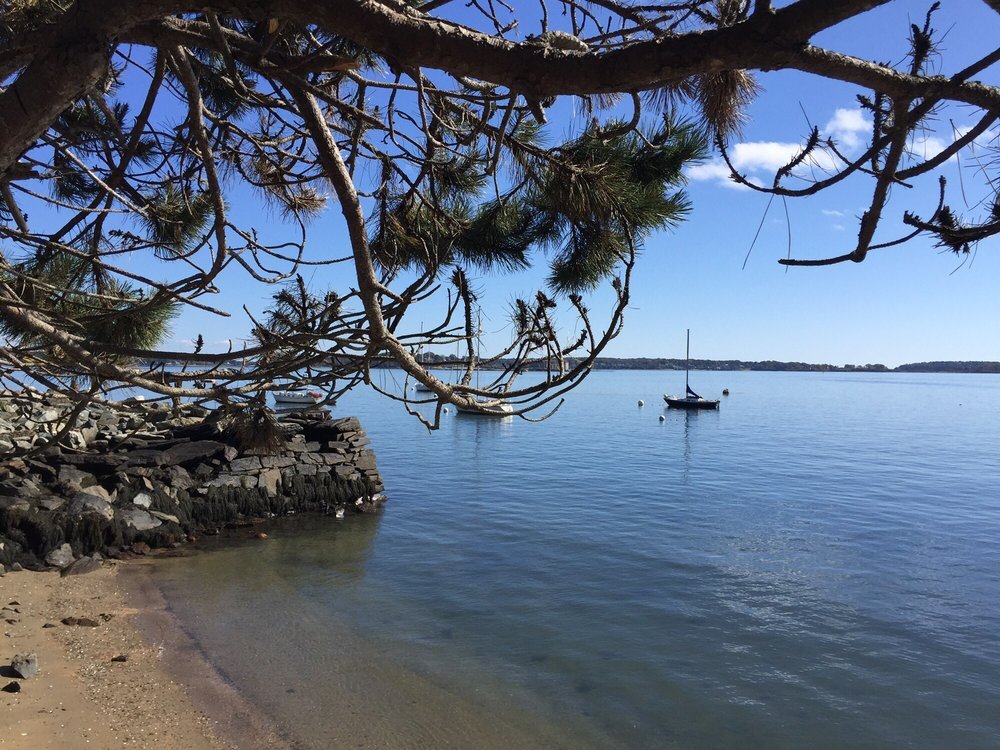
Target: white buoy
[
  {"x": 663, "y": 418},
  {"x": 641, "y": 402}
]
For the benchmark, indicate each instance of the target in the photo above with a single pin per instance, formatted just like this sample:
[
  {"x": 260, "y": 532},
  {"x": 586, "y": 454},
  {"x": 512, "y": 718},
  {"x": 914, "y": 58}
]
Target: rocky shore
[{"x": 130, "y": 476}]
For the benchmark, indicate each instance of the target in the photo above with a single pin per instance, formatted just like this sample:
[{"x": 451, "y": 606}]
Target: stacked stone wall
[{"x": 130, "y": 475}]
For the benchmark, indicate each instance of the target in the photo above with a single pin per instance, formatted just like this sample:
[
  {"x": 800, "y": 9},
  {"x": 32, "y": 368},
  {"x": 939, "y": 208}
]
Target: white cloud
[
  {"x": 832, "y": 212},
  {"x": 987, "y": 138},
  {"x": 838, "y": 227},
  {"x": 848, "y": 128},
  {"x": 713, "y": 170},
  {"x": 759, "y": 160}
]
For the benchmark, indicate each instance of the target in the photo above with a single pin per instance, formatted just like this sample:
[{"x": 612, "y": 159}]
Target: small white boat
[
  {"x": 499, "y": 410},
  {"x": 309, "y": 398}
]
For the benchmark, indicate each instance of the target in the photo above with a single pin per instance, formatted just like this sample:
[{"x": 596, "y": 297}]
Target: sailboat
[
  {"x": 499, "y": 409},
  {"x": 691, "y": 400},
  {"x": 420, "y": 387}
]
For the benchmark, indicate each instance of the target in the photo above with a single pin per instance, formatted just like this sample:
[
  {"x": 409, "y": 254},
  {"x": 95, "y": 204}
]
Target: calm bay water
[{"x": 815, "y": 565}]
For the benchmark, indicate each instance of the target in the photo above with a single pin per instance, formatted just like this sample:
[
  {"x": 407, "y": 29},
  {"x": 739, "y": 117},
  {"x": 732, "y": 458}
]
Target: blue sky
[
  {"x": 906, "y": 304},
  {"x": 901, "y": 305}
]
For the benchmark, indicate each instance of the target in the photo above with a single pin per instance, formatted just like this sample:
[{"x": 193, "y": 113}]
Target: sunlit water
[{"x": 815, "y": 565}]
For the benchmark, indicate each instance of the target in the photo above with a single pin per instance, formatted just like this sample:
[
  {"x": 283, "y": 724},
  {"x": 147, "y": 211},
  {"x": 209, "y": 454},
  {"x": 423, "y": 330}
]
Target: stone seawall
[{"x": 130, "y": 476}]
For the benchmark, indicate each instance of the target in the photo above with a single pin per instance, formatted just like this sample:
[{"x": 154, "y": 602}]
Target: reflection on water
[{"x": 821, "y": 570}]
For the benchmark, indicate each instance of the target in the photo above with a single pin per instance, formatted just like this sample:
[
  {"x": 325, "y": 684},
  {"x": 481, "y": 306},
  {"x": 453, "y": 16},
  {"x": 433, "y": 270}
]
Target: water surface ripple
[{"x": 815, "y": 565}]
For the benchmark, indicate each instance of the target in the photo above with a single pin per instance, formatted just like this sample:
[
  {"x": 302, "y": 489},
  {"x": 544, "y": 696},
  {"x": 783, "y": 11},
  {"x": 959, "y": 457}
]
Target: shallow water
[{"x": 815, "y": 565}]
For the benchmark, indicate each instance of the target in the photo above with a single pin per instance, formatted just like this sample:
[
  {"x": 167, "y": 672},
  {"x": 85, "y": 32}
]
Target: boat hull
[
  {"x": 690, "y": 403},
  {"x": 499, "y": 411},
  {"x": 298, "y": 399}
]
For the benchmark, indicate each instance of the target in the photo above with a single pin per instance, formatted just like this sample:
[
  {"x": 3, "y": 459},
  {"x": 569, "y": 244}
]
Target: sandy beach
[{"x": 83, "y": 697}]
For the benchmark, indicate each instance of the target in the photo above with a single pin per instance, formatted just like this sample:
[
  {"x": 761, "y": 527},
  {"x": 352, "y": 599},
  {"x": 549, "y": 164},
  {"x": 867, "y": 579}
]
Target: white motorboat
[
  {"x": 297, "y": 398},
  {"x": 500, "y": 410}
]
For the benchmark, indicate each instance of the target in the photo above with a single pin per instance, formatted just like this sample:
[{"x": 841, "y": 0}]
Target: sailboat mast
[{"x": 687, "y": 363}]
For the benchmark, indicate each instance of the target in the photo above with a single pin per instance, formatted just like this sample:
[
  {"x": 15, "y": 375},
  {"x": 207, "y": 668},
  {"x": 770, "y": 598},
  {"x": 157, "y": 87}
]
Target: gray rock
[
  {"x": 179, "y": 479},
  {"x": 197, "y": 450},
  {"x": 60, "y": 557},
  {"x": 16, "y": 567},
  {"x": 276, "y": 462},
  {"x": 95, "y": 461},
  {"x": 11, "y": 487},
  {"x": 145, "y": 457},
  {"x": 25, "y": 666},
  {"x": 143, "y": 500},
  {"x": 81, "y": 566},
  {"x": 50, "y": 502},
  {"x": 250, "y": 463},
  {"x": 225, "y": 480},
  {"x": 84, "y": 502},
  {"x": 76, "y": 478},
  {"x": 15, "y": 503},
  {"x": 306, "y": 470},
  {"x": 180, "y": 423},
  {"x": 164, "y": 516},
  {"x": 3, "y": 571},
  {"x": 365, "y": 461},
  {"x": 98, "y": 491},
  {"x": 139, "y": 519},
  {"x": 269, "y": 480}
]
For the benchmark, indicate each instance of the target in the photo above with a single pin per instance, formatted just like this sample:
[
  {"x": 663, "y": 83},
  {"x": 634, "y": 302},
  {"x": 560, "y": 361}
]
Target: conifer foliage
[{"x": 366, "y": 165}]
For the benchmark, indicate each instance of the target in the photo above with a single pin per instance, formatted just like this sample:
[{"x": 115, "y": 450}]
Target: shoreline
[{"x": 166, "y": 694}]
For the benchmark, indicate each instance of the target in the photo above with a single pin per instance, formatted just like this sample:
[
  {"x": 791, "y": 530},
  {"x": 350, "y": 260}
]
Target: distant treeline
[
  {"x": 652, "y": 363},
  {"x": 993, "y": 367}
]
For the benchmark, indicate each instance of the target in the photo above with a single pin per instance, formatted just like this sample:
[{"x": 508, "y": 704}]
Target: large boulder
[
  {"x": 85, "y": 502},
  {"x": 196, "y": 450},
  {"x": 139, "y": 519},
  {"x": 60, "y": 557}
]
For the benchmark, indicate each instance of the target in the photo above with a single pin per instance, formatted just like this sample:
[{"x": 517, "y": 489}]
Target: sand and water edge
[{"x": 163, "y": 694}]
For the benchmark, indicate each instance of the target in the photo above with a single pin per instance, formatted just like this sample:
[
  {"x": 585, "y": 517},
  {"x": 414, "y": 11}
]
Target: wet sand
[
  {"x": 80, "y": 697},
  {"x": 170, "y": 696}
]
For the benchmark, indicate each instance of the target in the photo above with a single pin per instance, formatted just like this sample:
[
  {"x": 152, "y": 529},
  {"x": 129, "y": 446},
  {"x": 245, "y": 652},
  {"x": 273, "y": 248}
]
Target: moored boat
[
  {"x": 298, "y": 398},
  {"x": 690, "y": 400},
  {"x": 500, "y": 410}
]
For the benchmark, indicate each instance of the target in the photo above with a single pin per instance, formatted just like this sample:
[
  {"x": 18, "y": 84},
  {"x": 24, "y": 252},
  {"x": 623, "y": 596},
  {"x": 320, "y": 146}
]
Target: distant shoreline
[
  {"x": 652, "y": 363},
  {"x": 642, "y": 363}
]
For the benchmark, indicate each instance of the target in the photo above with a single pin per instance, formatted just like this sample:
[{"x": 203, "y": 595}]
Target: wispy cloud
[
  {"x": 832, "y": 212},
  {"x": 848, "y": 128},
  {"x": 759, "y": 160}
]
